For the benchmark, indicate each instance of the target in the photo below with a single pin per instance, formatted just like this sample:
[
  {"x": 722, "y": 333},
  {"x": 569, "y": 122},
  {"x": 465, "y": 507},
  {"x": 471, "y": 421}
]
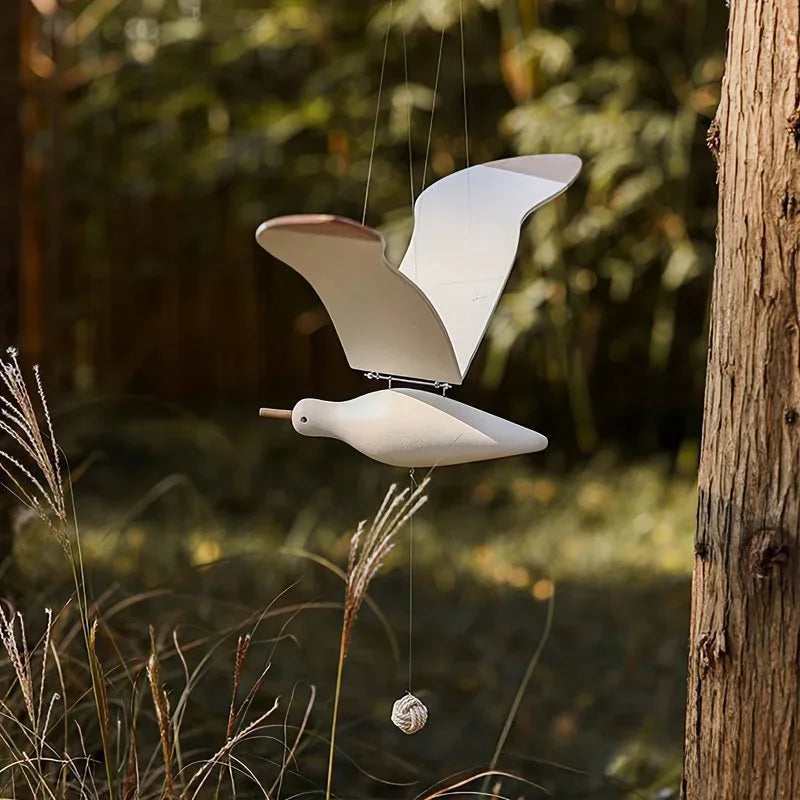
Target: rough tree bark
[
  {"x": 743, "y": 717},
  {"x": 10, "y": 187}
]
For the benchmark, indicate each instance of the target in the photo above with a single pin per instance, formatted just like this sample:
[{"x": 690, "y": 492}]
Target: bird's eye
[{"x": 304, "y": 420}]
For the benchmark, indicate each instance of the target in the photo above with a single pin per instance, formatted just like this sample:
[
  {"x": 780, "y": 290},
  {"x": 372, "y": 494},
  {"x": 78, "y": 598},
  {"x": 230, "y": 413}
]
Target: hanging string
[
  {"x": 409, "y": 108},
  {"x": 378, "y": 109},
  {"x": 464, "y": 79},
  {"x": 409, "y": 713},
  {"x": 430, "y": 139},
  {"x": 410, "y": 579},
  {"x": 433, "y": 110},
  {"x": 466, "y": 112}
]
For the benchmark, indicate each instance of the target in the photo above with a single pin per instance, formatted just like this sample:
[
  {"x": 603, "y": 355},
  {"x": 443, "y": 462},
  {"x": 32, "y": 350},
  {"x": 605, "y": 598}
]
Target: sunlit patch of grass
[
  {"x": 595, "y": 524},
  {"x": 598, "y": 523}
]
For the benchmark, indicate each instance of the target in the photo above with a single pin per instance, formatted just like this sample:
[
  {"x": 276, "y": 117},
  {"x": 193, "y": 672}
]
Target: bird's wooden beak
[{"x": 275, "y": 413}]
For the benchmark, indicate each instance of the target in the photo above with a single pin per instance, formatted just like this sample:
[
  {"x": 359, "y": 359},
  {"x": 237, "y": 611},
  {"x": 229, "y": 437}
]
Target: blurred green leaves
[{"x": 267, "y": 108}]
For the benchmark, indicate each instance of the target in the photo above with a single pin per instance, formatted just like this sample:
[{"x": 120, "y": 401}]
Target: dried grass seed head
[
  {"x": 34, "y": 470},
  {"x": 368, "y": 552}
]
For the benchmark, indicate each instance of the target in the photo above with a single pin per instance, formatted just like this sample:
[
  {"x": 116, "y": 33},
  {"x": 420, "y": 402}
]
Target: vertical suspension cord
[
  {"x": 409, "y": 106},
  {"x": 430, "y": 138},
  {"x": 410, "y": 579},
  {"x": 466, "y": 112},
  {"x": 378, "y": 109},
  {"x": 464, "y": 79},
  {"x": 409, "y": 713},
  {"x": 433, "y": 110}
]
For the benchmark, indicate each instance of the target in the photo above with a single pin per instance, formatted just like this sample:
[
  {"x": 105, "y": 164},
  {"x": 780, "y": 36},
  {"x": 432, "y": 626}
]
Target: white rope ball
[{"x": 409, "y": 714}]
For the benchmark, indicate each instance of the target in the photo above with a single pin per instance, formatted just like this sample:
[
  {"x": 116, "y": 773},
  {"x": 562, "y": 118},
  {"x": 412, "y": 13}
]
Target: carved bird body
[
  {"x": 413, "y": 428},
  {"x": 424, "y": 319}
]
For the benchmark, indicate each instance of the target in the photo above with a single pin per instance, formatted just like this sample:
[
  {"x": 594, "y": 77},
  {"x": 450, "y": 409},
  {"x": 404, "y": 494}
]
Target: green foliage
[{"x": 240, "y": 110}]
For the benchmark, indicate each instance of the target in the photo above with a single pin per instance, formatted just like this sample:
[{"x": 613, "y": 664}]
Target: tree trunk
[
  {"x": 10, "y": 186},
  {"x": 743, "y": 716}
]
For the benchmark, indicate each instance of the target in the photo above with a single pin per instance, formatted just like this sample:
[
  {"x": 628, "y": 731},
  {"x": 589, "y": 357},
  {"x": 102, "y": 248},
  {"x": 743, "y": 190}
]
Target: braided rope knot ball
[{"x": 409, "y": 714}]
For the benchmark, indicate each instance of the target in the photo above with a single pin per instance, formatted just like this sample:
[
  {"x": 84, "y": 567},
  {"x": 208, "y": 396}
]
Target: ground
[{"x": 202, "y": 524}]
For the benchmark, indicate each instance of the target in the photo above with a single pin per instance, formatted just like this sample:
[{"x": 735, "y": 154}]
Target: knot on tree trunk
[
  {"x": 702, "y": 550},
  {"x": 712, "y": 646},
  {"x": 766, "y": 551},
  {"x": 794, "y": 126},
  {"x": 790, "y": 207},
  {"x": 713, "y": 139}
]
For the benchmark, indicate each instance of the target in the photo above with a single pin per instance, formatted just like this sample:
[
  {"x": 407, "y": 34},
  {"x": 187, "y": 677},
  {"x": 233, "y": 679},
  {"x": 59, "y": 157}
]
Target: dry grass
[
  {"x": 49, "y": 757},
  {"x": 50, "y": 732},
  {"x": 35, "y": 475},
  {"x": 34, "y": 472},
  {"x": 368, "y": 549},
  {"x": 49, "y": 744},
  {"x": 81, "y": 718}
]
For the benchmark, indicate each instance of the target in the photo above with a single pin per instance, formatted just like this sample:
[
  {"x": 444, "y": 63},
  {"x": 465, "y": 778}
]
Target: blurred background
[{"x": 156, "y": 135}]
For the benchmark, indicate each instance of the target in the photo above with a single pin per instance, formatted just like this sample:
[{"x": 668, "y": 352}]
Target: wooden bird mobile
[{"x": 421, "y": 322}]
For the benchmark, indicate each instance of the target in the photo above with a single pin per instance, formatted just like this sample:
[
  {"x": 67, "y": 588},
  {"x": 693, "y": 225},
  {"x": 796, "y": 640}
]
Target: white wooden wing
[
  {"x": 383, "y": 320},
  {"x": 426, "y": 318}
]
